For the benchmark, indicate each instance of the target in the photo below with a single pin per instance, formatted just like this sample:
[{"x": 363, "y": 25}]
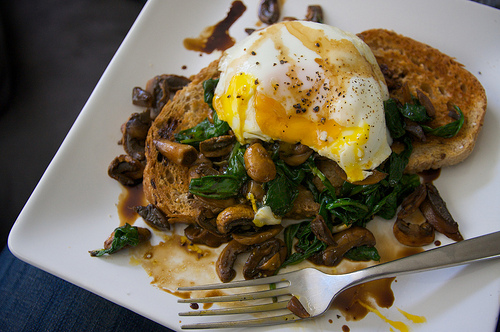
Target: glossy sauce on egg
[{"x": 310, "y": 83}]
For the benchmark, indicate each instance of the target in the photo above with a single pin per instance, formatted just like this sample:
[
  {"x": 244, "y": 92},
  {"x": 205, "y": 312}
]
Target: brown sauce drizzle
[
  {"x": 127, "y": 200},
  {"x": 430, "y": 175},
  {"x": 348, "y": 302},
  {"x": 217, "y": 37}
]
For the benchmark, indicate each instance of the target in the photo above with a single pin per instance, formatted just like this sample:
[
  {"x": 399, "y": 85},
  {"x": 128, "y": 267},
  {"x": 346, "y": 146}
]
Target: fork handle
[{"x": 459, "y": 253}]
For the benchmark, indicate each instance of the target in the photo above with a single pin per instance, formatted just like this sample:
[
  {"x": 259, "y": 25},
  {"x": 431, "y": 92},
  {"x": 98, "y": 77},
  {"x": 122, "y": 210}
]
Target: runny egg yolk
[{"x": 330, "y": 99}]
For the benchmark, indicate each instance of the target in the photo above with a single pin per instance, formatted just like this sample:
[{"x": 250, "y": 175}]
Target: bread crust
[{"x": 444, "y": 81}]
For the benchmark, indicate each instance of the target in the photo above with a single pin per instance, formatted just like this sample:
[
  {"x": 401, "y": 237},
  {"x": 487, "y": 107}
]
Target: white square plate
[{"x": 74, "y": 206}]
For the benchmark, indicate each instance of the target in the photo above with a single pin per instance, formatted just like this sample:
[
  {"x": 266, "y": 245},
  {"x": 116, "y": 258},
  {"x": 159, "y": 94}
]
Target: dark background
[{"x": 52, "y": 54}]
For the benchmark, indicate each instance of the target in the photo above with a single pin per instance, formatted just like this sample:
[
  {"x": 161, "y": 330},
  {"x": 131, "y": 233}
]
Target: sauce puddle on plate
[{"x": 176, "y": 262}]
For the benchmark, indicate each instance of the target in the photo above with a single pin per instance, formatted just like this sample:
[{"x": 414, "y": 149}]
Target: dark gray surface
[{"x": 57, "y": 50}]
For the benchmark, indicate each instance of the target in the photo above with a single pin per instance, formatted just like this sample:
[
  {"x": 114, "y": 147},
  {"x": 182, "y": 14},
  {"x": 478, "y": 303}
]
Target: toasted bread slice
[
  {"x": 444, "y": 81},
  {"x": 166, "y": 185}
]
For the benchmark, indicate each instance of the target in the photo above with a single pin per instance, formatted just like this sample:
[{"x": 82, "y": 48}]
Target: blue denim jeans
[{"x": 33, "y": 300}]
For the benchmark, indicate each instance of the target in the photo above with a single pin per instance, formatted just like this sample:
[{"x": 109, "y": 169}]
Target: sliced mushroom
[
  {"x": 336, "y": 175},
  {"x": 126, "y": 170},
  {"x": 202, "y": 166},
  {"x": 265, "y": 258},
  {"x": 225, "y": 262},
  {"x": 180, "y": 154},
  {"x": 413, "y": 234},
  {"x": 207, "y": 222},
  {"x": 258, "y": 164},
  {"x": 321, "y": 230},
  {"x": 294, "y": 154},
  {"x": 181, "y": 219},
  {"x": 373, "y": 178},
  {"x": 216, "y": 205},
  {"x": 297, "y": 308},
  {"x": 427, "y": 103},
  {"x": 162, "y": 88},
  {"x": 153, "y": 216},
  {"x": 261, "y": 235},
  {"x": 141, "y": 97},
  {"x": 314, "y": 14},
  {"x": 437, "y": 214},
  {"x": 415, "y": 130},
  {"x": 269, "y": 11},
  {"x": 412, "y": 202},
  {"x": 237, "y": 216},
  {"x": 256, "y": 189},
  {"x": 199, "y": 235},
  {"x": 332, "y": 172},
  {"x": 217, "y": 146},
  {"x": 135, "y": 131},
  {"x": 345, "y": 241}
]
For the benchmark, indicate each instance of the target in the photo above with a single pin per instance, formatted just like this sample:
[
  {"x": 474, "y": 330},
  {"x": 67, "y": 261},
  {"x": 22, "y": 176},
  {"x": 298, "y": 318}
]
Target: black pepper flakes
[{"x": 316, "y": 109}]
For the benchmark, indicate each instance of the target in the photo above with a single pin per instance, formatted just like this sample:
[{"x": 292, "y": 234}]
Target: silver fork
[{"x": 316, "y": 290}]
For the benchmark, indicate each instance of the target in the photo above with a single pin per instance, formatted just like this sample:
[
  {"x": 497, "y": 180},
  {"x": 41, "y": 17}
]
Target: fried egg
[{"x": 309, "y": 83}]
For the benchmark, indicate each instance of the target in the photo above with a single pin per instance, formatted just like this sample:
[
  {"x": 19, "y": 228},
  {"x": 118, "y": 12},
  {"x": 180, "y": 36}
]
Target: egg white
[{"x": 311, "y": 83}]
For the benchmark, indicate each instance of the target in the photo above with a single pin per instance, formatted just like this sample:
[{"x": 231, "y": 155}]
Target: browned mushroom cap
[
  {"x": 261, "y": 235},
  {"x": 412, "y": 202},
  {"x": 199, "y": 235},
  {"x": 126, "y": 170},
  {"x": 437, "y": 214},
  {"x": 412, "y": 234},
  {"x": 269, "y": 11},
  {"x": 321, "y": 230},
  {"x": 255, "y": 188},
  {"x": 265, "y": 258},
  {"x": 237, "y": 216},
  {"x": 153, "y": 216},
  {"x": 332, "y": 172},
  {"x": 202, "y": 166},
  {"x": 225, "y": 262},
  {"x": 217, "y": 146},
  {"x": 258, "y": 164},
  {"x": 216, "y": 205},
  {"x": 345, "y": 241},
  {"x": 180, "y": 154},
  {"x": 314, "y": 13},
  {"x": 135, "y": 131},
  {"x": 162, "y": 88},
  {"x": 337, "y": 176},
  {"x": 294, "y": 154},
  {"x": 141, "y": 97}
]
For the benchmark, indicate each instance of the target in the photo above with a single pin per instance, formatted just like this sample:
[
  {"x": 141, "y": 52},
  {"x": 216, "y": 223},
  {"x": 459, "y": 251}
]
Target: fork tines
[{"x": 273, "y": 291}]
